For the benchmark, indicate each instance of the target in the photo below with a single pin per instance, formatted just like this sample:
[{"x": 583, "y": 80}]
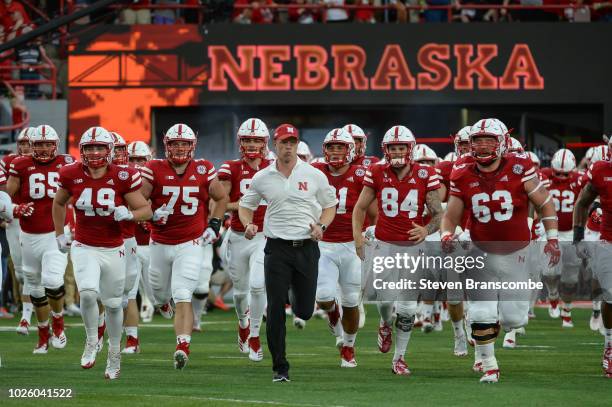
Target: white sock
[
  {"x": 426, "y": 311},
  {"x": 90, "y": 315},
  {"x": 484, "y": 352},
  {"x": 197, "y": 306},
  {"x": 401, "y": 343},
  {"x": 349, "y": 339},
  {"x": 596, "y": 306},
  {"x": 608, "y": 338},
  {"x": 241, "y": 302},
  {"x": 131, "y": 331},
  {"x": 183, "y": 338},
  {"x": 114, "y": 325},
  {"x": 385, "y": 309},
  {"x": 458, "y": 328},
  {"x": 101, "y": 318},
  {"x": 26, "y": 313},
  {"x": 57, "y": 314},
  {"x": 258, "y": 304}
]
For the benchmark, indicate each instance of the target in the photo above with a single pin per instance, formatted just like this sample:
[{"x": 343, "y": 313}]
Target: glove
[
  {"x": 146, "y": 226},
  {"x": 63, "y": 243},
  {"x": 539, "y": 229},
  {"x": 553, "y": 252},
  {"x": 211, "y": 234},
  {"x": 122, "y": 213},
  {"x": 448, "y": 242},
  {"x": 596, "y": 216},
  {"x": 160, "y": 217},
  {"x": 465, "y": 239},
  {"x": 23, "y": 210}
]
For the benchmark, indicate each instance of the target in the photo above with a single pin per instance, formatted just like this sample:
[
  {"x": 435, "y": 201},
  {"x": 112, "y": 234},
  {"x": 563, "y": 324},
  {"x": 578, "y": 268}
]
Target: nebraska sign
[{"x": 342, "y": 67}]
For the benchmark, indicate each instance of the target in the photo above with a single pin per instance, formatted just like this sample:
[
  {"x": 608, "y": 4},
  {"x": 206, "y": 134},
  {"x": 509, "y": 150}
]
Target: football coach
[{"x": 301, "y": 204}]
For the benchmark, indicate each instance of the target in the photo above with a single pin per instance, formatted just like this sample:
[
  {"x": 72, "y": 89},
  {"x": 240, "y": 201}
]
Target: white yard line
[{"x": 230, "y": 400}]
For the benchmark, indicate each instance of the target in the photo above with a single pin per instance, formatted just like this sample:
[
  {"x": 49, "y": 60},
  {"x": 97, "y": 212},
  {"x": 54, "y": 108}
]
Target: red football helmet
[
  {"x": 253, "y": 129},
  {"x": 175, "y": 153},
  {"x": 96, "y": 136},
  {"x": 120, "y": 153}
]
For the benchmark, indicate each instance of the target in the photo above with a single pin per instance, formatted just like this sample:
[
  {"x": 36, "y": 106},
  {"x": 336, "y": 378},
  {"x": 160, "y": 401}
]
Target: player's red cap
[{"x": 285, "y": 131}]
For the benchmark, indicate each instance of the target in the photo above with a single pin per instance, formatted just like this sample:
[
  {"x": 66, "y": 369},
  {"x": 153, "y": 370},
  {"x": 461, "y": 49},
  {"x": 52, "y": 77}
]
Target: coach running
[{"x": 301, "y": 204}]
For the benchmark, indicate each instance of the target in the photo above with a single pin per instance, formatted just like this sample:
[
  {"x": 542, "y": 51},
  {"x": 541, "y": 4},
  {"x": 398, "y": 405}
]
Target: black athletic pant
[{"x": 288, "y": 267}]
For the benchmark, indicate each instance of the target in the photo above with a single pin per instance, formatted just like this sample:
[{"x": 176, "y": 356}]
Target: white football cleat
[
  {"x": 595, "y": 322},
  {"x": 460, "y": 346},
  {"x": 520, "y": 331},
  {"x": 554, "y": 311},
  {"x": 88, "y": 359},
  {"x": 438, "y": 327},
  {"x": 299, "y": 323},
  {"x": 510, "y": 340},
  {"x": 22, "y": 328},
  {"x": 255, "y": 351},
  {"x": 490, "y": 376},
  {"x": 132, "y": 345},
  {"x": 477, "y": 367},
  {"x": 347, "y": 357},
  {"x": 58, "y": 339},
  {"x": 43, "y": 341},
  {"x": 113, "y": 365},
  {"x": 166, "y": 311},
  {"x": 400, "y": 368},
  {"x": 146, "y": 312},
  {"x": 427, "y": 326},
  {"x": 243, "y": 338}
]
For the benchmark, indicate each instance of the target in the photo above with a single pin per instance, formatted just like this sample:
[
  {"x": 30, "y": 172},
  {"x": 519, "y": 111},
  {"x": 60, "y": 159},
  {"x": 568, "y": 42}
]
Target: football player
[
  {"x": 245, "y": 257},
  {"x": 401, "y": 189},
  {"x": 304, "y": 152},
  {"x": 139, "y": 154},
  {"x": 598, "y": 175},
  {"x": 13, "y": 230},
  {"x": 514, "y": 146},
  {"x": 497, "y": 189},
  {"x": 104, "y": 194},
  {"x": 33, "y": 180},
  {"x": 361, "y": 144},
  {"x": 179, "y": 187},
  {"x": 339, "y": 266},
  {"x": 564, "y": 187}
]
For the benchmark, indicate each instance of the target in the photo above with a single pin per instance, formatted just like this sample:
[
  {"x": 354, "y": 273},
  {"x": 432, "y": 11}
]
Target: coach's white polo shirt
[{"x": 294, "y": 203}]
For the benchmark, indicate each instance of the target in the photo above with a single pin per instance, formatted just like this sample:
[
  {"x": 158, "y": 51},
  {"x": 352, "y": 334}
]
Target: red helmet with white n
[
  {"x": 120, "y": 153},
  {"x": 534, "y": 158},
  {"x": 23, "y": 141},
  {"x": 357, "y": 132},
  {"x": 253, "y": 129},
  {"x": 176, "y": 154},
  {"x": 44, "y": 142},
  {"x": 424, "y": 154},
  {"x": 339, "y": 136},
  {"x": 563, "y": 162},
  {"x": 394, "y": 136},
  {"x": 514, "y": 146},
  {"x": 599, "y": 153},
  {"x": 494, "y": 128},
  {"x": 462, "y": 136},
  {"x": 96, "y": 136}
]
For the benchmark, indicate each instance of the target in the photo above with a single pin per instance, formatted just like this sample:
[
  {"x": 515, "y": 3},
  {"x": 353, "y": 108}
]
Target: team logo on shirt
[
  {"x": 367, "y": 161},
  {"x": 123, "y": 175},
  {"x": 68, "y": 159},
  {"x": 201, "y": 169},
  {"x": 360, "y": 172},
  {"x": 517, "y": 169},
  {"x": 422, "y": 173}
]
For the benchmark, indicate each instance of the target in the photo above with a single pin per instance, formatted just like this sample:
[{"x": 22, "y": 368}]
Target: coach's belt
[{"x": 294, "y": 243}]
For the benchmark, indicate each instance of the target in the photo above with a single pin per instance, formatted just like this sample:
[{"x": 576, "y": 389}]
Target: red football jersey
[
  {"x": 94, "y": 200},
  {"x": 348, "y": 186},
  {"x": 142, "y": 235},
  {"x": 564, "y": 194},
  {"x": 365, "y": 161},
  {"x": 400, "y": 202},
  {"x": 497, "y": 202},
  {"x": 38, "y": 185},
  {"x": 5, "y": 163},
  {"x": 600, "y": 177},
  {"x": 185, "y": 196},
  {"x": 444, "y": 169},
  {"x": 240, "y": 174}
]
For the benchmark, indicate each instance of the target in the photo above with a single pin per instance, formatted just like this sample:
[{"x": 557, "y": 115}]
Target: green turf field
[{"x": 550, "y": 367}]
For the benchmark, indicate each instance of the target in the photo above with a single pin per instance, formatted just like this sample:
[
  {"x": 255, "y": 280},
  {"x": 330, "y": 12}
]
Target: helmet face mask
[
  {"x": 138, "y": 154},
  {"x": 360, "y": 146},
  {"x": 96, "y": 147},
  {"x": 336, "y": 154},
  {"x": 398, "y": 155},
  {"x": 563, "y": 163},
  {"x": 462, "y": 141},
  {"x": 120, "y": 155},
  {"x": 252, "y": 148},
  {"x": 43, "y": 151},
  {"x": 488, "y": 141},
  {"x": 180, "y": 142},
  {"x": 23, "y": 147},
  {"x": 359, "y": 137}
]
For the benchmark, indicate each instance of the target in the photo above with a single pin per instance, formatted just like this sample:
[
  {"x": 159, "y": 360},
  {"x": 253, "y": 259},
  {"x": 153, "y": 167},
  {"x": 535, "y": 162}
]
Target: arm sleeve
[
  {"x": 134, "y": 181},
  {"x": 325, "y": 193},
  {"x": 433, "y": 182},
  {"x": 225, "y": 172}
]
